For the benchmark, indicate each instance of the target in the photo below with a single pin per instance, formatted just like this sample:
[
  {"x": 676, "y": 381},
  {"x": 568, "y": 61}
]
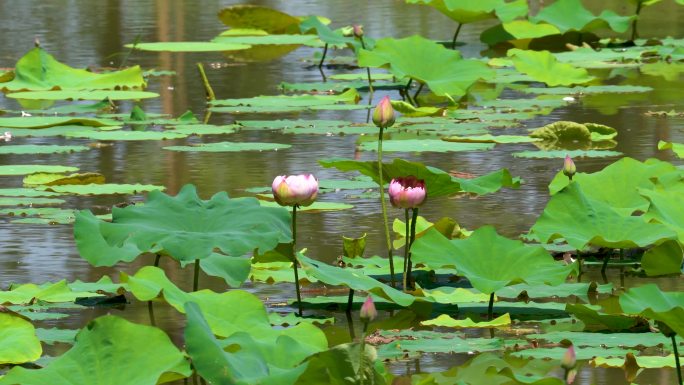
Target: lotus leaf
[
  {"x": 56, "y": 292},
  {"x": 438, "y": 182},
  {"x": 413, "y": 57},
  {"x": 426, "y": 145},
  {"x": 665, "y": 207},
  {"x": 542, "y": 66},
  {"x": 51, "y": 131},
  {"x": 268, "y": 40},
  {"x": 327, "y": 35},
  {"x": 445, "y": 320},
  {"x": 581, "y": 290},
  {"x": 584, "y": 221},
  {"x": 257, "y": 17},
  {"x": 53, "y": 121},
  {"x": 184, "y": 227},
  {"x": 23, "y": 201},
  {"x": 127, "y": 135},
  {"x": 610, "y": 340},
  {"x": 651, "y": 302},
  {"x": 557, "y": 353},
  {"x": 251, "y": 362},
  {"x": 18, "y": 341},
  {"x": 490, "y": 261},
  {"x": 350, "y": 96},
  {"x": 25, "y": 192},
  {"x": 488, "y": 138},
  {"x": 410, "y": 343},
  {"x": 53, "y": 335},
  {"x": 25, "y": 169},
  {"x": 102, "y": 348},
  {"x": 291, "y": 319},
  {"x": 38, "y": 70},
  {"x": 205, "y": 129},
  {"x": 53, "y": 179},
  {"x": 645, "y": 362},
  {"x": 564, "y": 133},
  {"x": 570, "y": 15},
  {"x": 598, "y": 321},
  {"x": 579, "y": 90},
  {"x": 469, "y": 12},
  {"x": 340, "y": 365},
  {"x": 82, "y": 95},
  {"x": 524, "y": 29},
  {"x": 453, "y": 295},
  {"x": 677, "y": 148},
  {"x": 102, "y": 189},
  {"x": 229, "y": 147},
  {"x": 188, "y": 46},
  {"x": 40, "y": 149},
  {"x": 314, "y": 207},
  {"x": 574, "y": 154},
  {"x": 354, "y": 280}
]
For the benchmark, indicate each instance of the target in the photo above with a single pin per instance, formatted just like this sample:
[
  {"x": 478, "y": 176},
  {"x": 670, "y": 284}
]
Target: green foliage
[
  {"x": 651, "y": 302},
  {"x": 18, "y": 341},
  {"x": 542, "y": 66}
]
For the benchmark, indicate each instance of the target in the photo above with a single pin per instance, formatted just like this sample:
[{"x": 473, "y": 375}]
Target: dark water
[{"x": 85, "y": 33}]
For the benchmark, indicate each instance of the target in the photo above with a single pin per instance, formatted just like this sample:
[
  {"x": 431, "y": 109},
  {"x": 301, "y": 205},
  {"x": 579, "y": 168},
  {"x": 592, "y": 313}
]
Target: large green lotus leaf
[
  {"x": 349, "y": 96},
  {"x": 83, "y": 95},
  {"x": 610, "y": 340},
  {"x": 188, "y": 46},
  {"x": 584, "y": 221},
  {"x": 491, "y": 369},
  {"x": 18, "y": 340},
  {"x": 618, "y": 184},
  {"x": 326, "y": 34},
  {"x": 102, "y": 189},
  {"x": 645, "y": 362},
  {"x": 542, "y": 66},
  {"x": 557, "y": 353},
  {"x": 444, "y": 320},
  {"x": 663, "y": 259},
  {"x": 560, "y": 154},
  {"x": 25, "y": 192},
  {"x": 577, "y": 289},
  {"x": 594, "y": 320},
  {"x": 665, "y": 207},
  {"x": 229, "y": 147},
  {"x": 268, "y": 40},
  {"x": 53, "y": 121},
  {"x": 257, "y": 17},
  {"x": 489, "y": 260},
  {"x": 414, "y": 57},
  {"x": 354, "y": 280},
  {"x": 565, "y": 131},
  {"x": 524, "y": 29},
  {"x": 340, "y": 365},
  {"x": 453, "y": 295},
  {"x": 579, "y": 90},
  {"x": 570, "y": 15},
  {"x": 438, "y": 182},
  {"x": 283, "y": 109},
  {"x": 314, "y": 207},
  {"x": 48, "y": 292},
  {"x": 102, "y": 348},
  {"x": 488, "y": 138},
  {"x": 542, "y": 104},
  {"x": 127, "y": 135},
  {"x": 465, "y": 12},
  {"x": 325, "y": 127},
  {"x": 426, "y": 145},
  {"x": 38, "y": 70},
  {"x": 650, "y": 302},
  {"x": 56, "y": 179},
  {"x": 24, "y": 169},
  {"x": 677, "y": 148},
  {"x": 40, "y": 149},
  {"x": 234, "y": 271},
  {"x": 185, "y": 227},
  {"x": 248, "y": 361}
]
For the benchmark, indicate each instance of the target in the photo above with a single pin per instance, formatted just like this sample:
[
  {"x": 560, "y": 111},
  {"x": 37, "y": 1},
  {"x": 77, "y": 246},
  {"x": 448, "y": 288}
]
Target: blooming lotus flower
[
  {"x": 368, "y": 311},
  {"x": 569, "y": 359},
  {"x": 407, "y": 193},
  {"x": 569, "y": 168},
  {"x": 383, "y": 116},
  {"x": 358, "y": 30},
  {"x": 300, "y": 190}
]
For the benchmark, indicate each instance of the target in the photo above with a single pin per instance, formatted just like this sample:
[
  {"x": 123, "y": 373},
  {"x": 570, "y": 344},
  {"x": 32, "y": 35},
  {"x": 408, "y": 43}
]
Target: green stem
[
  {"x": 384, "y": 209},
  {"x": 362, "y": 356},
  {"x": 350, "y": 300},
  {"x": 415, "y": 96},
  {"x": 605, "y": 264},
  {"x": 195, "y": 280},
  {"x": 294, "y": 258},
  {"x": 676, "y": 354},
  {"x": 150, "y": 311},
  {"x": 406, "y": 246},
  {"x": 370, "y": 82},
  {"x": 490, "y": 310},
  {"x": 207, "y": 87},
  {"x": 453, "y": 41},
  {"x": 325, "y": 52},
  {"x": 634, "y": 22},
  {"x": 156, "y": 260},
  {"x": 409, "y": 272}
]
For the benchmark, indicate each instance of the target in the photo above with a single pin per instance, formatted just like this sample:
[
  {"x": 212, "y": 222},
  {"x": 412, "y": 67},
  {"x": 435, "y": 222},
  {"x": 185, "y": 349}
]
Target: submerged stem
[
  {"x": 676, "y": 354},
  {"x": 294, "y": 258},
  {"x": 195, "y": 280},
  {"x": 384, "y": 209}
]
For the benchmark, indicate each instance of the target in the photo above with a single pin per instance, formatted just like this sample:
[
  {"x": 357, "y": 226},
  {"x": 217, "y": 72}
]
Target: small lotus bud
[
  {"x": 294, "y": 190},
  {"x": 407, "y": 193},
  {"x": 383, "y": 116},
  {"x": 569, "y": 359},
  {"x": 570, "y": 376},
  {"x": 368, "y": 311},
  {"x": 358, "y": 31},
  {"x": 569, "y": 168}
]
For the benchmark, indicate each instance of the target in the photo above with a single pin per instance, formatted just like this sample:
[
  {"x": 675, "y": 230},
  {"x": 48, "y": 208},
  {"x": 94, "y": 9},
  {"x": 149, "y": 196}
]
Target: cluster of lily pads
[{"x": 528, "y": 292}]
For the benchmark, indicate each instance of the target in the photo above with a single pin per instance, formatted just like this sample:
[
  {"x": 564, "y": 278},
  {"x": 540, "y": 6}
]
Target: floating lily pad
[
  {"x": 25, "y": 192},
  {"x": 56, "y": 179},
  {"x": 83, "y": 95},
  {"x": 40, "y": 149},
  {"x": 229, "y": 147},
  {"x": 127, "y": 135},
  {"x": 491, "y": 139},
  {"x": 270, "y": 20},
  {"x": 445, "y": 320},
  {"x": 53, "y": 131},
  {"x": 651, "y": 302},
  {"x": 25, "y": 169},
  {"x": 188, "y": 46},
  {"x": 24, "y": 201},
  {"x": 560, "y": 154},
  {"x": 275, "y": 39},
  {"x": 426, "y": 145},
  {"x": 53, "y": 121},
  {"x": 102, "y": 189},
  {"x": 53, "y": 335},
  {"x": 205, "y": 129},
  {"x": 314, "y": 207},
  {"x": 351, "y": 96},
  {"x": 48, "y": 292},
  {"x": 543, "y": 66},
  {"x": 604, "y": 89}
]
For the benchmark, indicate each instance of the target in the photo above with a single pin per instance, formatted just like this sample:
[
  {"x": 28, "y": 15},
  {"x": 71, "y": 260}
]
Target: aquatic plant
[{"x": 408, "y": 193}]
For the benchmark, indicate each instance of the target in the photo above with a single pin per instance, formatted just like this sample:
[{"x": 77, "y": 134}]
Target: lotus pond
[{"x": 141, "y": 243}]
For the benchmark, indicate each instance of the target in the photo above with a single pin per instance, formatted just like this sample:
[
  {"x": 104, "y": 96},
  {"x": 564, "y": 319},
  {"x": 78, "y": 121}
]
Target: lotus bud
[
  {"x": 569, "y": 168},
  {"x": 299, "y": 190},
  {"x": 368, "y": 311},
  {"x": 407, "y": 193},
  {"x": 358, "y": 31},
  {"x": 569, "y": 359},
  {"x": 383, "y": 116},
  {"x": 570, "y": 376}
]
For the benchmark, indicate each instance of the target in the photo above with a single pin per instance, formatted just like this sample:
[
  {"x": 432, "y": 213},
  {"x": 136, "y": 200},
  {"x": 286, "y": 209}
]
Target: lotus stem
[
  {"x": 605, "y": 264},
  {"x": 490, "y": 310},
  {"x": 406, "y": 246},
  {"x": 676, "y": 354},
  {"x": 207, "y": 87},
  {"x": 294, "y": 258},
  {"x": 350, "y": 325},
  {"x": 370, "y": 82},
  {"x": 150, "y": 312},
  {"x": 156, "y": 260},
  {"x": 407, "y": 89},
  {"x": 453, "y": 41},
  {"x": 383, "y": 203},
  {"x": 635, "y": 34},
  {"x": 409, "y": 269},
  {"x": 325, "y": 52},
  {"x": 195, "y": 280},
  {"x": 415, "y": 96},
  {"x": 350, "y": 300}
]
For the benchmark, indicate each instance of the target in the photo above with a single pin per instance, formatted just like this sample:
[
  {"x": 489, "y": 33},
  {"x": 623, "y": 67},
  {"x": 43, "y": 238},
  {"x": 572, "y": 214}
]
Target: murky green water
[{"x": 85, "y": 33}]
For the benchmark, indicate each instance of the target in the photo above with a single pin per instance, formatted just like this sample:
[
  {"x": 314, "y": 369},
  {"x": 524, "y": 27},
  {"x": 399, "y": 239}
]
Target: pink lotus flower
[
  {"x": 569, "y": 359},
  {"x": 368, "y": 311},
  {"x": 569, "y": 168},
  {"x": 294, "y": 190},
  {"x": 358, "y": 30},
  {"x": 383, "y": 115},
  {"x": 407, "y": 192}
]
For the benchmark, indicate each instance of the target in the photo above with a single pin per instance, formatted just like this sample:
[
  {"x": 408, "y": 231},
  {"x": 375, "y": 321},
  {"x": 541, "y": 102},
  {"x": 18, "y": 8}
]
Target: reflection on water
[{"x": 85, "y": 33}]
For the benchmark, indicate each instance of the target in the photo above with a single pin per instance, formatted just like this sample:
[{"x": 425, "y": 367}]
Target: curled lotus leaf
[
  {"x": 651, "y": 302},
  {"x": 184, "y": 227},
  {"x": 571, "y": 15},
  {"x": 271, "y": 20}
]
